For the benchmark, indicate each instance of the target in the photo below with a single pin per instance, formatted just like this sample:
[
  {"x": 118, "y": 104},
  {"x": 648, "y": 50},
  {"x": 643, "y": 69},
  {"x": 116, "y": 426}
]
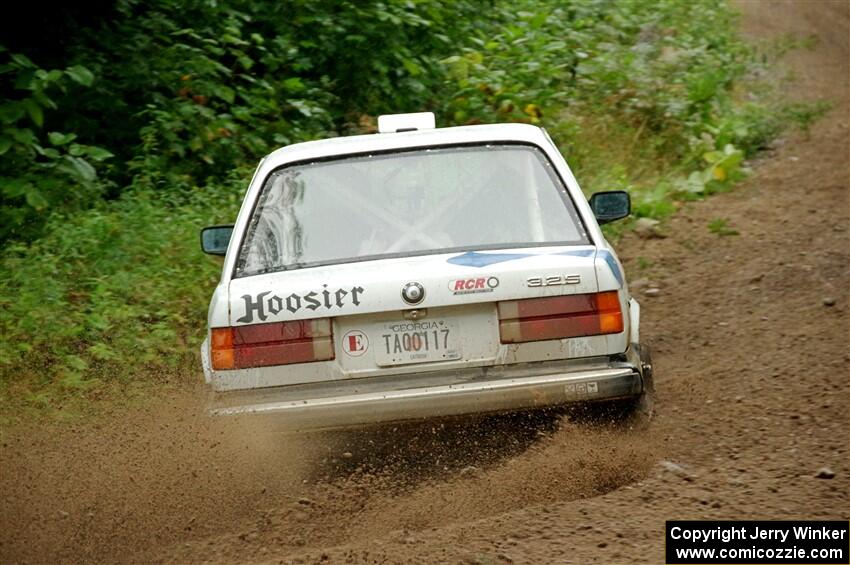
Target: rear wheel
[
  {"x": 635, "y": 411},
  {"x": 640, "y": 409}
]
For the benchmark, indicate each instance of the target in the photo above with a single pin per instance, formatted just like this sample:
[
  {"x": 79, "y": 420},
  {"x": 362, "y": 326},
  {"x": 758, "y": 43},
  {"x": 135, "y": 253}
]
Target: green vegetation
[
  {"x": 42, "y": 171},
  {"x": 721, "y": 227},
  {"x": 644, "y": 264},
  {"x": 121, "y": 140}
]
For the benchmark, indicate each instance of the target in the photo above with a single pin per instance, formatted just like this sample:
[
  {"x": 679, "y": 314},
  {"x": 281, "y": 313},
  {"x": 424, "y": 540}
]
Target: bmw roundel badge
[{"x": 413, "y": 293}]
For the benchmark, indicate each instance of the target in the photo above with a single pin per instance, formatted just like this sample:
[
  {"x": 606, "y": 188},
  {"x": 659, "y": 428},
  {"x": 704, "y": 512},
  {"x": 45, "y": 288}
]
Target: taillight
[
  {"x": 538, "y": 319},
  {"x": 280, "y": 343}
]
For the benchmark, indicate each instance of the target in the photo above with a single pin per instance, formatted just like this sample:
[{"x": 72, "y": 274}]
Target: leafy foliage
[
  {"x": 721, "y": 227},
  {"x": 121, "y": 285},
  {"x": 41, "y": 172}
]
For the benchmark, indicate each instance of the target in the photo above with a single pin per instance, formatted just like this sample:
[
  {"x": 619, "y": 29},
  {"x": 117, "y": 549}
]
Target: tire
[
  {"x": 641, "y": 409},
  {"x": 633, "y": 412}
]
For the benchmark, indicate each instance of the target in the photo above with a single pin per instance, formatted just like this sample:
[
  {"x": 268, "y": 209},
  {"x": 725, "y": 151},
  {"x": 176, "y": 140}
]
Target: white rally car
[{"x": 419, "y": 273}]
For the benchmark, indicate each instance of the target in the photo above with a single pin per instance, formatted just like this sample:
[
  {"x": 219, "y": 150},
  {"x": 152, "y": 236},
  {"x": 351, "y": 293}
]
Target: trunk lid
[{"x": 376, "y": 332}]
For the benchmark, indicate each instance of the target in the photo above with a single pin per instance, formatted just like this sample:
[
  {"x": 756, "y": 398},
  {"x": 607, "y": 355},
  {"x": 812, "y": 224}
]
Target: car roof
[{"x": 312, "y": 150}]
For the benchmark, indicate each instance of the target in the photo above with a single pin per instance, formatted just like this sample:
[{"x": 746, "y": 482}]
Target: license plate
[{"x": 425, "y": 341}]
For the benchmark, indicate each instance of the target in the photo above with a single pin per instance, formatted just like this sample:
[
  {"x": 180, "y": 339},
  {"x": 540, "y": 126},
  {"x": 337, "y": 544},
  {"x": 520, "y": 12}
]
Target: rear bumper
[{"x": 409, "y": 397}]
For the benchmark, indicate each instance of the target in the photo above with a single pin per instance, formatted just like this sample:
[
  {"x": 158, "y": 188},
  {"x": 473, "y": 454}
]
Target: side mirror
[
  {"x": 610, "y": 205},
  {"x": 214, "y": 239}
]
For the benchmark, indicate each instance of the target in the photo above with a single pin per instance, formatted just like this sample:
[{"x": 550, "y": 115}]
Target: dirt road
[{"x": 750, "y": 333}]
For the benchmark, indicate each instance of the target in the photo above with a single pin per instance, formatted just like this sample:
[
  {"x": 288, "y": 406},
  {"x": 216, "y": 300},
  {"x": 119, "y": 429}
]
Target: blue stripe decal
[
  {"x": 578, "y": 253},
  {"x": 606, "y": 255},
  {"x": 475, "y": 259}
]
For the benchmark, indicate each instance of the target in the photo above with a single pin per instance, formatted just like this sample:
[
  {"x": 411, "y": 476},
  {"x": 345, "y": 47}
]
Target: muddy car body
[{"x": 419, "y": 273}]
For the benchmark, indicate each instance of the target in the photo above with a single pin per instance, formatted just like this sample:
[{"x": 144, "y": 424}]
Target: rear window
[{"x": 408, "y": 203}]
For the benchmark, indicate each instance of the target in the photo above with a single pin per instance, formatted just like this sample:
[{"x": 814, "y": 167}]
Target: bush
[
  {"x": 111, "y": 292},
  {"x": 41, "y": 172}
]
